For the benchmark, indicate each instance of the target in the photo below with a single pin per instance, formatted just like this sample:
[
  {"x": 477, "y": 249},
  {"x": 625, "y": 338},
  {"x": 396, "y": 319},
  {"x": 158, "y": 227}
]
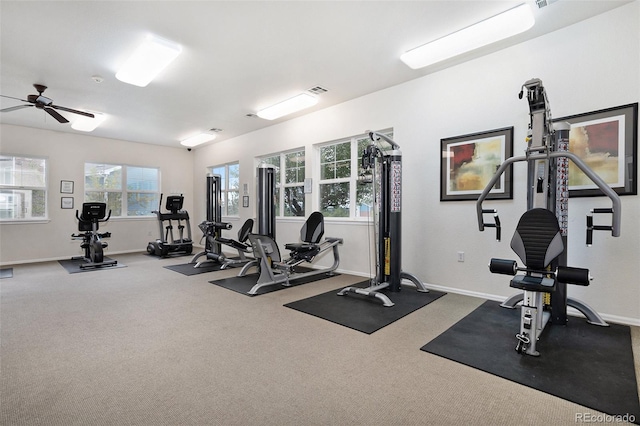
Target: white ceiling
[{"x": 237, "y": 57}]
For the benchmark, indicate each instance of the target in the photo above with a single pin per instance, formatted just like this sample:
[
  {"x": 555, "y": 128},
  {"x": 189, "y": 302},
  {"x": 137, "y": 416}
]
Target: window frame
[
  {"x": 123, "y": 190},
  {"x": 352, "y": 180},
  {"x": 226, "y": 190},
  {"x": 281, "y": 181},
  {"x": 31, "y": 188}
]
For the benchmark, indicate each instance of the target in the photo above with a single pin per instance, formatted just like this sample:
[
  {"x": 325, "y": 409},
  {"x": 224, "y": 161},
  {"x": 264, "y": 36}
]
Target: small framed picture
[
  {"x": 245, "y": 201},
  {"x": 66, "y": 202},
  {"x": 66, "y": 186}
]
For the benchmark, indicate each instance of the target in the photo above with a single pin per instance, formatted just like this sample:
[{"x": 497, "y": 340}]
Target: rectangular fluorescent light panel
[
  {"x": 198, "y": 139},
  {"x": 88, "y": 124},
  {"x": 513, "y": 21},
  {"x": 148, "y": 60},
  {"x": 297, "y": 103}
]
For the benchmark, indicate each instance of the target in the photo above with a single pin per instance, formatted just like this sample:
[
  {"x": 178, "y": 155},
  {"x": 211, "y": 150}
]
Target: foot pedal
[{"x": 523, "y": 342}]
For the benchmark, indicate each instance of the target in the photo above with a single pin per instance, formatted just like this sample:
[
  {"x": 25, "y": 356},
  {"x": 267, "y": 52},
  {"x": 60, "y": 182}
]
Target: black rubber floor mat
[
  {"x": 363, "y": 313},
  {"x": 244, "y": 284},
  {"x": 582, "y": 363},
  {"x": 188, "y": 268}
]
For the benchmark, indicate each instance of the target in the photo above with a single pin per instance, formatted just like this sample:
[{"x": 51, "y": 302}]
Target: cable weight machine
[
  {"x": 541, "y": 235},
  {"x": 389, "y": 274},
  {"x": 212, "y": 227}
]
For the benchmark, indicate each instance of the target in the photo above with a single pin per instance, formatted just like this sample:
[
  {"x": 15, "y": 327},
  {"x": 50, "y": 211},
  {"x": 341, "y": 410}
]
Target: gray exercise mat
[{"x": 73, "y": 265}]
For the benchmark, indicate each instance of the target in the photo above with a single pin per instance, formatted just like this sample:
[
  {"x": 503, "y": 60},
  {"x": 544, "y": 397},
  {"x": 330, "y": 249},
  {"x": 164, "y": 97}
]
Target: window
[
  {"x": 339, "y": 165},
  {"x": 23, "y": 188},
  {"x": 127, "y": 190},
  {"x": 230, "y": 187},
  {"x": 290, "y": 177}
]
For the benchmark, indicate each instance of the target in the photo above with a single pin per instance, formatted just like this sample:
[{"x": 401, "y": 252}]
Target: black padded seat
[
  {"x": 310, "y": 234},
  {"x": 537, "y": 241}
]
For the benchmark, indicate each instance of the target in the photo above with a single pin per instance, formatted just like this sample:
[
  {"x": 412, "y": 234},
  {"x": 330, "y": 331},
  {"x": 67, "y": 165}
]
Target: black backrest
[
  {"x": 313, "y": 229},
  {"x": 537, "y": 240},
  {"x": 244, "y": 232}
]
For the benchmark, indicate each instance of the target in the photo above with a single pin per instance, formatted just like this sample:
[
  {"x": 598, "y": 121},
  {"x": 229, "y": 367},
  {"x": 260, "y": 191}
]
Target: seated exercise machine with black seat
[
  {"x": 212, "y": 232},
  {"x": 274, "y": 270},
  {"x": 88, "y": 224},
  {"x": 540, "y": 239},
  {"x": 167, "y": 243},
  {"x": 386, "y": 165}
]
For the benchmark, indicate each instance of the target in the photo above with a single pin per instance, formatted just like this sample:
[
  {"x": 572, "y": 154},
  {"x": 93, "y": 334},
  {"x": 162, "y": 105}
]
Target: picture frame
[
  {"x": 607, "y": 141},
  {"x": 469, "y": 162},
  {"x": 245, "y": 201},
  {"x": 66, "y": 202},
  {"x": 66, "y": 187}
]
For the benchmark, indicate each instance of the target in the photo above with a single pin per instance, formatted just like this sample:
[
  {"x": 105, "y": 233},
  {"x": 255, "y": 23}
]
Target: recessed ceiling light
[
  {"x": 198, "y": 139},
  {"x": 148, "y": 60},
  {"x": 297, "y": 103},
  {"x": 88, "y": 124},
  {"x": 513, "y": 21}
]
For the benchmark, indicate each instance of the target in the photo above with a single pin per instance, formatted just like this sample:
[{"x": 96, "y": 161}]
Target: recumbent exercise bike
[{"x": 93, "y": 214}]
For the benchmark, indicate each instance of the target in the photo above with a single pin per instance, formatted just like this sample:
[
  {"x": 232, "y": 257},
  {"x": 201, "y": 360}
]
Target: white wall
[
  {"x": 66, "y": 155},
  {"x": 589, "y": 66}
]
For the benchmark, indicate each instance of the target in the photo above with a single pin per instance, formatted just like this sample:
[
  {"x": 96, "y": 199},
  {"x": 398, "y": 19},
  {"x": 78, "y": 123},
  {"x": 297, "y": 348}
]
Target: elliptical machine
[
  {"x": 389, "y": 242},
  {"x": 167, "y": 243},
  {"x": 540, "y": 239},
  {"x": 89, "y": 223}
]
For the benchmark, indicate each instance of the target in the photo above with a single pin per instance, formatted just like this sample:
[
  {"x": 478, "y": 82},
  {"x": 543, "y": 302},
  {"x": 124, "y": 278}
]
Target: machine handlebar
[{"x": 616, "y": 205}]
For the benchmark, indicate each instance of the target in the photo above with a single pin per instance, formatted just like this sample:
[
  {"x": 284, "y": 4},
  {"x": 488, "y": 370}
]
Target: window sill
[{"x": 25, "y": 222}]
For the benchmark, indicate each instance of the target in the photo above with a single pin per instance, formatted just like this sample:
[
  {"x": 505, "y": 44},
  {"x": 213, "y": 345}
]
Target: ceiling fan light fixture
[
  {"x": 197, "y": 140},
  {"x": 88, "y": 124},
  {"x": 291, "y": 105},
  {"x": 148, "y": 60},
  {"x": 499, "y": 27}
]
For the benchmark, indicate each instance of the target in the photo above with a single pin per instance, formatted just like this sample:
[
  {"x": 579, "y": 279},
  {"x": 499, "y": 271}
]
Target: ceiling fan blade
[
  {"x": 74, "y": 111},
  {"x": 11, "y": 97},
  {"x": 54, "y": 114},
  {"x": 13, "y": 108}
]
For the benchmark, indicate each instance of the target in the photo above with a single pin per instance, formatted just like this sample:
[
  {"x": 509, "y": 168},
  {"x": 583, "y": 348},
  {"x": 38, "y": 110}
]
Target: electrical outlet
[{"x": 460, "y": 256}]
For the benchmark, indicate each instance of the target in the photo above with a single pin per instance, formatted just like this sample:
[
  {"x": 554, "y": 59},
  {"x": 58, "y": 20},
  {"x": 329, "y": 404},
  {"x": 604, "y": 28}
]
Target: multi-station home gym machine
[
  {"x": 212, "y": 231},
  {"x": 388, "y": 189},
  {"x": 541, "y": 235},
  {"x": 271, "y": 267}
]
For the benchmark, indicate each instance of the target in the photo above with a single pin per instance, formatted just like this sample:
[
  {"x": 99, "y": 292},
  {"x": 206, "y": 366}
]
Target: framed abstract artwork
[
  {"x": 469, "y": 162},
  {"x": 607, "y": 142}
]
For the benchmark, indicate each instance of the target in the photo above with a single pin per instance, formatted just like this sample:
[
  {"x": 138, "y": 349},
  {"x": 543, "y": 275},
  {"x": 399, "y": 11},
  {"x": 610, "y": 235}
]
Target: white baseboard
[{"x": 573, "y": 312}]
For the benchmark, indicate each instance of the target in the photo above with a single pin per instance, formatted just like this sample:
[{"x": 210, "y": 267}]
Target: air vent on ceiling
[
  {"x": 317, "y": 90},
  {"x": 215, "y": 130},
  {"x": 543, "y": 3}
]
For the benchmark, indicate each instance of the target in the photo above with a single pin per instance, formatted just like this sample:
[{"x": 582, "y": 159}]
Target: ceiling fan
[{"x": 42, "y": 102}]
